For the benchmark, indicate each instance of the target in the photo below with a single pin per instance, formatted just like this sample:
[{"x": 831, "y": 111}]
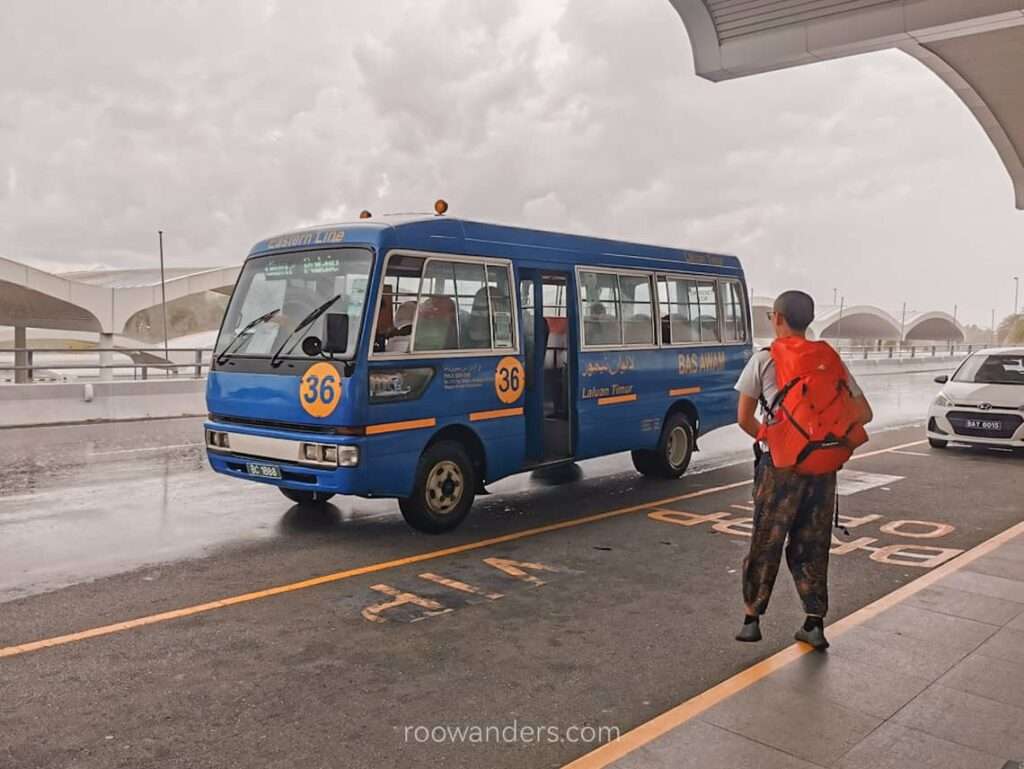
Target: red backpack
[{"x": 811, "y": 425}]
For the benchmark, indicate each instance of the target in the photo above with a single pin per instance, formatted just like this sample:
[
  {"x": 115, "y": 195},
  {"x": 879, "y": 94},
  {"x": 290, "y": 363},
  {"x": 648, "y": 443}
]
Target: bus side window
[
  {"x": 399, "y": 295},
  {"x": 637, "y": 310},
  {"x": 707, "y": 312},
  {"x": 434, "y": 305},
  {"x": 734, "y": 321},
  {"x": 600, "y": 299},
  {"x": 689, "y": 310}
]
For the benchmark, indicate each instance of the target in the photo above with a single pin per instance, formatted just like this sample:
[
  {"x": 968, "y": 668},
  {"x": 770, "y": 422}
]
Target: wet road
[
  {"x": 596, "y": 603},
  {"x": 83, "y": 502}
]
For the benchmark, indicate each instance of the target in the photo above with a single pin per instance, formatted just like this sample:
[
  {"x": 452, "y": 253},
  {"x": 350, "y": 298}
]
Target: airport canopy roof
[
  {"x": 866, "y": 322},
  {"x": 976, "y": 47},
  {"x": 95, "y": 301}
]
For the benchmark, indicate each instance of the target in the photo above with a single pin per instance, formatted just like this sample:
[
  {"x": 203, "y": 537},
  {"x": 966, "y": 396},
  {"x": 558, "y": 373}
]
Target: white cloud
[{"x": 222, "y": 122}]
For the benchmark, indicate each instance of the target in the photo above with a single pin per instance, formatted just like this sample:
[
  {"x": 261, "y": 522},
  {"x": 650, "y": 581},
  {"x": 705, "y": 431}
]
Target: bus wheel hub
[{"x": 444, "y": 487}]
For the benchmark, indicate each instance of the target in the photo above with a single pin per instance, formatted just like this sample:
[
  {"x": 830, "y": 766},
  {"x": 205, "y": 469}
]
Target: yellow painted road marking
[
  {"x": 479, "y": 416},
  {"x": 517, "y": 569},
  {"x": 394, "y": 427},
  {"x": 401, "y": 598},
  {"x": 679, "y": 715},
  {"x": 676, "y": 391},
  {"x": 611, "y": 400},
  {"x": 189, "y": 611},
  {"x": 455, "y": 584}
]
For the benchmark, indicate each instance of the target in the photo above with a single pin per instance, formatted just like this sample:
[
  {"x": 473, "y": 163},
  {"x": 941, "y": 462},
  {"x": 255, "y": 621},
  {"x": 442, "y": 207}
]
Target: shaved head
[{"x": 797, "y": 308}]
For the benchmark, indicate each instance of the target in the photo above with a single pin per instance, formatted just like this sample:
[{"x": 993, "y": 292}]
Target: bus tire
[
  {"x": 672, "y": 455},
  {"x": 444, "y": 489},
  {"x": 305, "y": 497}
]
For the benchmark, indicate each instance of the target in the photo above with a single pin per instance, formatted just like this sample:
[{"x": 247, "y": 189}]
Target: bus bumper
[{"x": 261, "y": 455}]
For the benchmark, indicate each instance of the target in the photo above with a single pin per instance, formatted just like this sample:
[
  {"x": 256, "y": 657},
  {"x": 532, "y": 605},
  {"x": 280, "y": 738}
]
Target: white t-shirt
[{"x": 758, "y": 378}]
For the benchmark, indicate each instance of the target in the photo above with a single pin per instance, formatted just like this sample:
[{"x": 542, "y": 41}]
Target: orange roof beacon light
[
  {"x": 441, "y": 207},
  {"x": 365, "y": 214}
]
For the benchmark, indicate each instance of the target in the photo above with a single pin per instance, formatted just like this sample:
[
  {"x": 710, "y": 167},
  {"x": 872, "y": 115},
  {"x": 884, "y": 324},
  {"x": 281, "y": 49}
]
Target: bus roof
[{"x": 451, "y": 235}]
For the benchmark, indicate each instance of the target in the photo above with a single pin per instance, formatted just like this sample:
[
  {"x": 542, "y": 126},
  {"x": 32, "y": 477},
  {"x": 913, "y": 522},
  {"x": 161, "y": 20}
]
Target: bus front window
[{"x": 274, "y": 293}]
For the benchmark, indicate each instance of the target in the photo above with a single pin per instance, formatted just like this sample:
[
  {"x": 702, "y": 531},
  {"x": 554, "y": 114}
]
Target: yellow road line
[
  {"x": 394, "y": 427},
  {"x": 479, "y": 416},
  {"x": 613, "y": 399},
  {"x": 188, "y": 611},
  {"x": 679, "y": 715},
  {"x": 676, "y": 391}
]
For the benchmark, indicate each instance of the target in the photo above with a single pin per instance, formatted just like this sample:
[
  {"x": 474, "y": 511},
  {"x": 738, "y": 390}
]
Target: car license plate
[
  {"x": 984, "y": 424},
  {"x": 263, "y": 471}
]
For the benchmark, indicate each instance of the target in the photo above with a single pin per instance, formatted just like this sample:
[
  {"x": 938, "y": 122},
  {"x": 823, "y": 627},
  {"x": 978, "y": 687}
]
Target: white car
[{"x": 983, "y": 402}]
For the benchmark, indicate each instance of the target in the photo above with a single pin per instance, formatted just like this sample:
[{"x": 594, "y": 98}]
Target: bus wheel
[
  {"x": 305, "y": 497},
  {"x": 672, "y": 456},
  {"x": 444, "y": 490}
]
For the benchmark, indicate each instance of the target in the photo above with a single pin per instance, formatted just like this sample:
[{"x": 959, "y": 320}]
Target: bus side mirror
[
  {"x": 941, "y": 379},
  {"x": 336, "y": 333}
]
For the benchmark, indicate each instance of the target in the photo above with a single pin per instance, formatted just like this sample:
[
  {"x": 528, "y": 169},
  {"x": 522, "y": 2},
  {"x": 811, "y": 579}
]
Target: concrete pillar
[
  {"x": 21, "y": 358},
  {"x": 106, "y": 357}
]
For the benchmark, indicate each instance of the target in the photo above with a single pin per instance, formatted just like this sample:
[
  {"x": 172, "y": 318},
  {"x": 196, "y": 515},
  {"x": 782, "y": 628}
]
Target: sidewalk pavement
[{"x": 935, "y": 681}]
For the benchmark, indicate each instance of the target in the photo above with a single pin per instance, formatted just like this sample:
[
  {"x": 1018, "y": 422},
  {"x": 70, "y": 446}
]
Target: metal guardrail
[
  {"x": 909, "y": 352},
  {"x": 142, "y": 361}
]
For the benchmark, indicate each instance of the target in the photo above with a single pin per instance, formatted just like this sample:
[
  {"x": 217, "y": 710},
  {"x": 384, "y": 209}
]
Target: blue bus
[{"x": 422, "y": 357}]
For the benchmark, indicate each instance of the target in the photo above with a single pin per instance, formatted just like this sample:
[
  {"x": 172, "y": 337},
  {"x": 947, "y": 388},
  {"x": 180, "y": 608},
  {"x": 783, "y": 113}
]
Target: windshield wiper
[
  {"x": 226, "y": 352},
  {"x": 275, "y": 361}
]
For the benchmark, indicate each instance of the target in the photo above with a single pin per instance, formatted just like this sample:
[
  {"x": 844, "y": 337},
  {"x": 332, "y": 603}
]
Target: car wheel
[
  {"x": 937, "y": 443},
  {"x": 306, "y": 497},
  {"x": 444, "y": 489},
  {"x": 672, "y": 455}
]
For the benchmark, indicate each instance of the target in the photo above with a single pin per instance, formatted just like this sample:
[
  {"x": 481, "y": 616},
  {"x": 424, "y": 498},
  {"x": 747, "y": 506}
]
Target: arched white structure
[
  {"x": 933, "y": 327},
  {"x": 861, "y": 321},
  {"x": 32, "y": 298},
  {"x": 974, "y": 46}
]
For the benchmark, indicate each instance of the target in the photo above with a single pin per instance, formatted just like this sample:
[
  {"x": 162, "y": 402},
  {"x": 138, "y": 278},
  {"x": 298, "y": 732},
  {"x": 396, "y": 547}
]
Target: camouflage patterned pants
[{"x": 799, "y": 507}]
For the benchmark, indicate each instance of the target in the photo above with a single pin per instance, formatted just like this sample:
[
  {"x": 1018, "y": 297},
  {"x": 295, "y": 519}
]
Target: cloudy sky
[{"x": 221, "y": 122}]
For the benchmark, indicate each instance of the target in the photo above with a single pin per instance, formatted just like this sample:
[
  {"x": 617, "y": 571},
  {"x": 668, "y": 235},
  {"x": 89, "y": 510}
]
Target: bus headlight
[
  {"x": 217, "y": 440},
  {"x": 330, "y": 454},
  {"x": 348, "y": 456}
]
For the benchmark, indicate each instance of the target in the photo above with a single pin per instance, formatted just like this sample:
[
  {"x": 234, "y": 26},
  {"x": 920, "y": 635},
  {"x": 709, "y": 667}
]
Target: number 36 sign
[
  {"x": 509, "y": 380},
  {"x": 320, "y": 390}
]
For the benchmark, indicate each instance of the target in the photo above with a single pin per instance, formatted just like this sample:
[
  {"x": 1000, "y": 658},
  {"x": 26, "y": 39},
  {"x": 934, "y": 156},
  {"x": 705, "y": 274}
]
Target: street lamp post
[
  {"x": 839, "y": 326},
  {"x": 163, "y": 292}
]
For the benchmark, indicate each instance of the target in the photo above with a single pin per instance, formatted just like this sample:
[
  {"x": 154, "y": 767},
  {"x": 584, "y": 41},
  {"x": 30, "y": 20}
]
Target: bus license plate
[
  {"x": 263, "y": 471},
  {"x": 984, "y": 424}
]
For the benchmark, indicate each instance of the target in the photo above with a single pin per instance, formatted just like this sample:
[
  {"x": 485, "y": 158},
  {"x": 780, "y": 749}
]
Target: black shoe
[
  {"x": 815, "y": 637},
  {"x": 750, "y": 632}
]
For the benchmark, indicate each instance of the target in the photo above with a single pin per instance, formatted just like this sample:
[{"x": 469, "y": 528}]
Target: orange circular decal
[
  {"x": 320, "y": 390},
  {"x": 509, "y": 379}
]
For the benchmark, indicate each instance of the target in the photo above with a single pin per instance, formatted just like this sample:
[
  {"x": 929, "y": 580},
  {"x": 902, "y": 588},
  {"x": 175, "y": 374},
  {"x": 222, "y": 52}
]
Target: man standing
[{"x": 789, "y": 502}]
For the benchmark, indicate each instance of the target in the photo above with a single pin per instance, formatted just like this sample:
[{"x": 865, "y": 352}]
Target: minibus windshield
[{"x": 276, "y": 292}]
